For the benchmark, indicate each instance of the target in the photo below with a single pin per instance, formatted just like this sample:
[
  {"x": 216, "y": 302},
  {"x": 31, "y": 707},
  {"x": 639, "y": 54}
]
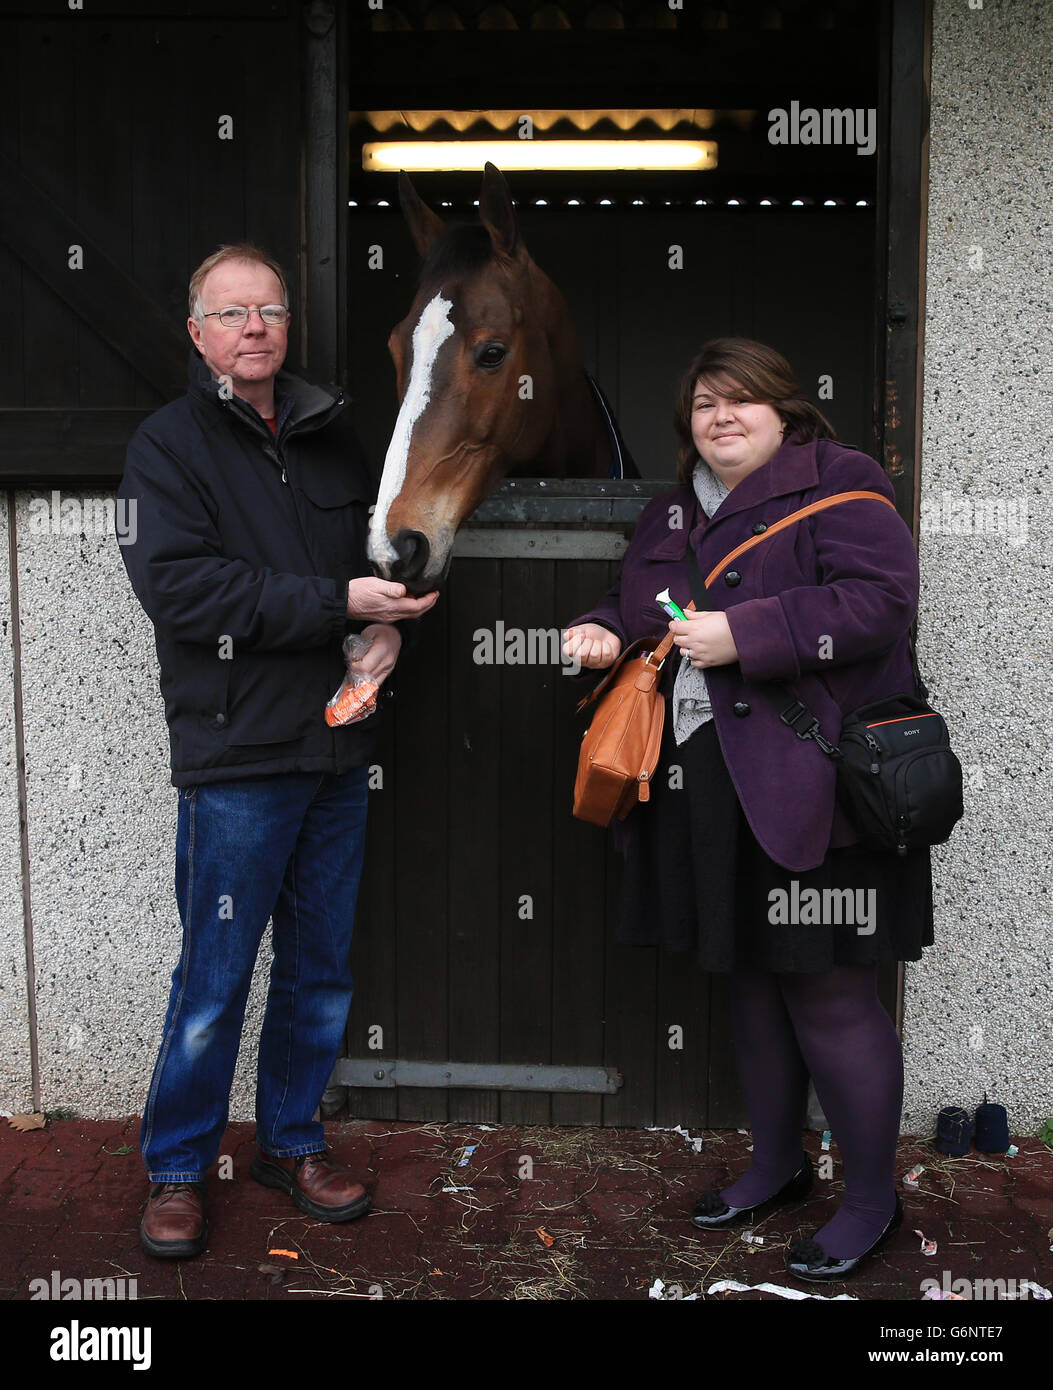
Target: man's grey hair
[{"x": 239, "y": 251}]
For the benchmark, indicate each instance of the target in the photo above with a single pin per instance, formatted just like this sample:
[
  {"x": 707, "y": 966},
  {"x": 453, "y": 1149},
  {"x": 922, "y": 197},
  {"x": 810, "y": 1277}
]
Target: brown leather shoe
[
  {"x": 319, "y": 1186},
  {"x": 174, "y": 1224}
]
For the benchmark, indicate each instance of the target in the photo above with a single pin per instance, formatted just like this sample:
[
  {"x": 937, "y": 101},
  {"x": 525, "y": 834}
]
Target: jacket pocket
[
  {"x": 208, "y": 684},
  {"x": 332, "y": 487},
  {"x": 271, "y": 696},
  {"x": 335, "y": 507}
]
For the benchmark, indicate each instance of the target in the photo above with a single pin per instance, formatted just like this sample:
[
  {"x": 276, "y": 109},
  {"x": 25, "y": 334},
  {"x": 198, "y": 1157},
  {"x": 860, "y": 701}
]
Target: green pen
[{"x": 673, "y": 609}]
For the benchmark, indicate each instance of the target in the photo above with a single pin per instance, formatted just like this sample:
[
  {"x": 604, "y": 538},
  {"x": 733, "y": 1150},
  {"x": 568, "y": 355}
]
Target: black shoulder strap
[{"x": 920, "y": 686}]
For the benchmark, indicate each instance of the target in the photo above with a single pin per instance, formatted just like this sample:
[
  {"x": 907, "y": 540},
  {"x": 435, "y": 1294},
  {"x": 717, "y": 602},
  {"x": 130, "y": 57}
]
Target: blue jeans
[{"x": 290, "y": 846}]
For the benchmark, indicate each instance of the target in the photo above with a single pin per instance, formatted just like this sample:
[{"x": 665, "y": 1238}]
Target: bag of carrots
[{"x": 357, "y": 697}]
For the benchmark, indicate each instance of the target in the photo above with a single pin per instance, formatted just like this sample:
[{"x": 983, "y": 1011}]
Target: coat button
[
  {"x": 740, "y": 708},
  {"x": 759, "y": 528},
  {"x": 732, "y": 578},
  {"x": 221, "y": 719}
]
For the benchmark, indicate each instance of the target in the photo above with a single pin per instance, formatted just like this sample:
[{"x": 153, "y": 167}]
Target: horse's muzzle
[{"x": 414, "y": 552}]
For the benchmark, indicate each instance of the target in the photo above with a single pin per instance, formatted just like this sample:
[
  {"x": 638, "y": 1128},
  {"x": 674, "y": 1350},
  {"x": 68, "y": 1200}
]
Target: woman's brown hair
[{"x": 754, "y": 372}]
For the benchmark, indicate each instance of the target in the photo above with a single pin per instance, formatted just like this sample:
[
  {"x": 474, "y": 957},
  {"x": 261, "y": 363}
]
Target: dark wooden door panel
[
  {"x": 485, "y": 922},
  {"x": 107, "y": 145}
]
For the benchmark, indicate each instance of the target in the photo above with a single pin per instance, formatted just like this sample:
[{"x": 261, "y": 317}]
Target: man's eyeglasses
[{"x": 236, "y": 315}]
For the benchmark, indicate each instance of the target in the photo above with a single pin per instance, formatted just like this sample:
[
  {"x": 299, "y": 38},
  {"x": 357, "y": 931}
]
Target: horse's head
[{"x": 486, "y": 360}]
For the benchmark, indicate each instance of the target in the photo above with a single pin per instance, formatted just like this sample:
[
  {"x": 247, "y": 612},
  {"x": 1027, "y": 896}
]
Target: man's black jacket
[{"x": 244, "y": 546}]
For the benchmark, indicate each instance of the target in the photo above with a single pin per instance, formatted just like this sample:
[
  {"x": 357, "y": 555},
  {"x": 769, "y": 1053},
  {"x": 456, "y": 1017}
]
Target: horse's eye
[{"x": 490, "y": 354}]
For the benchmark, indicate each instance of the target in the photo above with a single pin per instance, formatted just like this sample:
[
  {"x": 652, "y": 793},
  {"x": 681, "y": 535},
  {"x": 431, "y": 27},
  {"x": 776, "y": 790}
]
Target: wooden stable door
[{"x": 484, "y": 927}]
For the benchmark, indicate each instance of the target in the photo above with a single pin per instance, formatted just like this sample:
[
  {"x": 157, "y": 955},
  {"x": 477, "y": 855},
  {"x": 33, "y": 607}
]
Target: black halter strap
[{"x": 622, "y": 465}]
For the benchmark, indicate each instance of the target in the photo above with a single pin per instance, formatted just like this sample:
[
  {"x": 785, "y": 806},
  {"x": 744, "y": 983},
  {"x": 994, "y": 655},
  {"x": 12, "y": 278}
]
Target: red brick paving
[{"x": 615, "y": 1201}]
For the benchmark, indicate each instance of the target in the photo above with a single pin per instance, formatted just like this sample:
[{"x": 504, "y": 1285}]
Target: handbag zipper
[
  {"x": 874, "y": 747},
  {"x": 902, "y": 719},
  {"x": 651, "y": 758}
]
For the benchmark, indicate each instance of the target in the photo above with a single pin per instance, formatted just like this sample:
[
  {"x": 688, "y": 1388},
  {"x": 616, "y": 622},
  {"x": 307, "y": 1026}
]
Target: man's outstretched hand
[{"x": 385, "y": 602}]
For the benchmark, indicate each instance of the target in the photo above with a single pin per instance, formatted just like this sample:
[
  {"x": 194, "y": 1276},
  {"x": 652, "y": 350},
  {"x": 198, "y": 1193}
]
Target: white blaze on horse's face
[{"x": 432, "y": 330}]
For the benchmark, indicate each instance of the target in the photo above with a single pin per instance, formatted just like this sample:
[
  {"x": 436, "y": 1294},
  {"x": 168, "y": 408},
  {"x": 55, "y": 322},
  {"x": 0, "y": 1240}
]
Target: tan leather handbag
[{"x": 619, "y": 750}]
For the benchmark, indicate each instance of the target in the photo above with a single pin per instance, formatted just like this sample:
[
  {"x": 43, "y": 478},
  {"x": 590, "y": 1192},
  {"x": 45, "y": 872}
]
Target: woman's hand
[
  {"x": 591, "y": 645},
  {"x": 705, "y": 638},
  {"x": 379, "y": 662}
]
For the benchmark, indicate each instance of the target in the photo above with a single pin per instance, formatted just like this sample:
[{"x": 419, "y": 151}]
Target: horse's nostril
[{"x": 413, "y": 552}]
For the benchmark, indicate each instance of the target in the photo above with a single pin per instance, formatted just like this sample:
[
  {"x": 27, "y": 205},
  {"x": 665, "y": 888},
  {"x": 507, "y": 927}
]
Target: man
[{"x": 252, "y": 501}]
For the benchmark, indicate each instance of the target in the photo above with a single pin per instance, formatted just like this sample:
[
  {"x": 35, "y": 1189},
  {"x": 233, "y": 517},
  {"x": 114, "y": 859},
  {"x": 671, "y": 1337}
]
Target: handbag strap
[
  {"x": 634, "y": 650},
  {"x": 792, "y": 711},
  {"x": 791, "y": 520},
  {"x": 665, "y": 646}
]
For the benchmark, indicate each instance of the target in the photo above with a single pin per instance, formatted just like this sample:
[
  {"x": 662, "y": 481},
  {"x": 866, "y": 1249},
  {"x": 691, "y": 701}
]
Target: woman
[{"x": 742, "y": 818}]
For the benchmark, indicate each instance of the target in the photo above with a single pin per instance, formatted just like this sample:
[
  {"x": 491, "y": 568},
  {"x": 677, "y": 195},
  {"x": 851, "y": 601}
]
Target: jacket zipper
[
  {"x": 270, "y": 442},
  {"x": 275, "y": 452}
]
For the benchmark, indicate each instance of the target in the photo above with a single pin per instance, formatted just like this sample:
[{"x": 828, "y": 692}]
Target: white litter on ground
[
  {"x": 658, "y": 1290},
  {"x": 1031, "y": 1290},
  {"x": 696, "y": 1143},
  {"x": 928, "y": 1247},
  {"x": 733, "y": 1286}
]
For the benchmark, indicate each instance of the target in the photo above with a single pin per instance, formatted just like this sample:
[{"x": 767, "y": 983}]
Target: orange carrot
[{"x": 351, "y": 703}]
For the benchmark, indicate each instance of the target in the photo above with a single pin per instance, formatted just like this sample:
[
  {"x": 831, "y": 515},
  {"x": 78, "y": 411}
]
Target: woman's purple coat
[{"x": 825, "y": 605}]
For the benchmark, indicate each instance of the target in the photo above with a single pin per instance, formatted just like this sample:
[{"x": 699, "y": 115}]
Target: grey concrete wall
[
  {"x": 101, "y": 821},
  {"x": 979, "y": 1009},
  {"x": 15, "y": 1066}
]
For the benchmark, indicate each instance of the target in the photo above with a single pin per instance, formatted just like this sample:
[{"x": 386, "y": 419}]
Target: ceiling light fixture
[{"x": 469, "y": 156}]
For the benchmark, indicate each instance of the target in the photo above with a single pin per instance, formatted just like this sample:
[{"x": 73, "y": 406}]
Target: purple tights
[{"x": 833, "y": 1026}]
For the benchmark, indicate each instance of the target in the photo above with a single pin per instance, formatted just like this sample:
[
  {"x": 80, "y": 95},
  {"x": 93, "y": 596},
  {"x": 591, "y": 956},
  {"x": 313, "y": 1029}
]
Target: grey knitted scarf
[{"x": 691, "y": 707}]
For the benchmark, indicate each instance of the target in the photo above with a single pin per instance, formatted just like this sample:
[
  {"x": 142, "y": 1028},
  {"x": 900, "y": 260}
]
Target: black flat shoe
[
  {"x": 712, "y": 1213},
  {"x": 808, "y": 1260}
]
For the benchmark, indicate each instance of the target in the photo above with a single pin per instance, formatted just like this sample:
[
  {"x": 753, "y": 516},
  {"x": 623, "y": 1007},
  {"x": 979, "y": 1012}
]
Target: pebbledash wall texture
[{"x": 979, "y": 1008}]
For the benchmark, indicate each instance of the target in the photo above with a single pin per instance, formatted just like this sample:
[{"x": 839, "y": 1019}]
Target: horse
[{"x": 491, "y": 383}]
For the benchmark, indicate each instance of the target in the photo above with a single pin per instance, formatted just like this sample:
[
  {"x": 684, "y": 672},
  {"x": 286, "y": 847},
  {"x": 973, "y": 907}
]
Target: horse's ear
[
  {"x": 425, "y": 226},
  {"x": 496, "y": 212}
]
